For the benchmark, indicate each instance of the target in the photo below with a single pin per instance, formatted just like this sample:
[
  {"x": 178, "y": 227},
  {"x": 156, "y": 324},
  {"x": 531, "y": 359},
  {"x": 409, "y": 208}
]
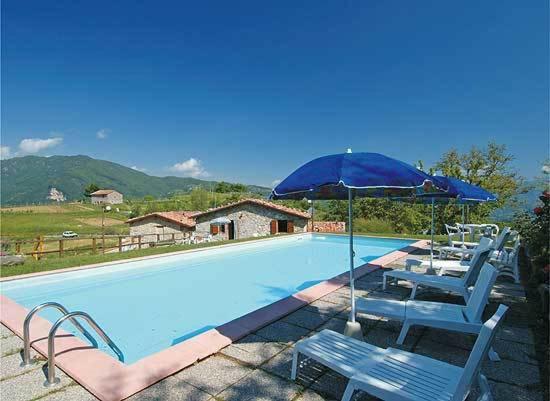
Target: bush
[{"x": 373, "y": 226}]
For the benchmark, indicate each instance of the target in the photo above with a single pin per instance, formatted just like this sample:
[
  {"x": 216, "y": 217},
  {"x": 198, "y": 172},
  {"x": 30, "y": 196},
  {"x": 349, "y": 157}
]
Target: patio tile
[
  {"x": 446, "y": 353},
  {"x": 330, "y": 384},
  {"x": 261, "y": 386},
  {"x": 281, "y": 365},
  {"x": 213, "y": 374},
  {"x": 29, "y": 386},
  {"x": 9, "y": 365},
  {"x": 5, "y": 332},
  {"x": 517, "y": 334},
  {"x": 306, "y": 318},
  {"x": 451, "y": 338},
  {"x": 11, "y": 345},
  {"x": 171, "y": 389},
  {"x": 504, "y": 392},
  {"x": 512, "y": 372},
  {"x": 72, "y": 393},
  {"x": 282, "y": 332},
  {"x": 385, "y": 338},
  {"x": 325, "y": 308},
  {"x": 335, "y": 297},
  {"x": 253, "y": 349},
  {"x": 310, "y": 395},
  {"x": 334, "y": 324},
  {"x": 515, "y": 351}
]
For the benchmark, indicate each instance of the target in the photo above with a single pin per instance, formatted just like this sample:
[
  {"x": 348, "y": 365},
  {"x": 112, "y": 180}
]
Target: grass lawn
[
  {"x": 29, "y": 222},
  {"x": 53, "y": 262}
]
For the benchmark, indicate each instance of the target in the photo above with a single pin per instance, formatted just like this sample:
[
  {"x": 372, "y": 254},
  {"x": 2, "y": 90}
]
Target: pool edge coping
[{"x": 110, "y": 380}]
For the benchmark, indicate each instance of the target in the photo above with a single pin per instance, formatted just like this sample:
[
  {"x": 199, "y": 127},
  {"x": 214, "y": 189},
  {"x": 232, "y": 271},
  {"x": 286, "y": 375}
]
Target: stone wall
[
  {"x": 329, "y": 226},
  {"x": 148, "y": 228},
  {"x": 250, "y": 221},
  {"x": 114, "y": 198}
]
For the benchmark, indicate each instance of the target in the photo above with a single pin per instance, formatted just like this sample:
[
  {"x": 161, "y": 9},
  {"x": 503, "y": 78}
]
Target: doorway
[{"x": 231, "y": 230}]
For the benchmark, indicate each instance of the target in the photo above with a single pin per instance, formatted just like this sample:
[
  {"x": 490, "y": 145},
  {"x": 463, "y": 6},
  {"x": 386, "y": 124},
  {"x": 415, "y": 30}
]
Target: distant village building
[
  {"x": 244, "y": 219},
  {"x": 106, "y": 196}
]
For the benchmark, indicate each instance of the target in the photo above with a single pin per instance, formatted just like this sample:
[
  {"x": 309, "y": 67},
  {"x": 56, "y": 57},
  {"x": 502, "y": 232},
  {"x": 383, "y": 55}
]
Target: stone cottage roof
[
  {"x": 262, "y": 203},
  {"x": 103, "y": 192},
  {"x": 181, "y": 218},
  {"x": 187, "y": 218}
]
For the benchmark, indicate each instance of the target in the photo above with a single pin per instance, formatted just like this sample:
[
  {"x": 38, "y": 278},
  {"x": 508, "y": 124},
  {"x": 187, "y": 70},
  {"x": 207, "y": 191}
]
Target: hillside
[{"x": 29, "y": 179}]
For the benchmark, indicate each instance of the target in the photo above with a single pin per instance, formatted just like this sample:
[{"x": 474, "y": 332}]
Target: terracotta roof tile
[
  {"x": 182, "y": 218},
  {"x": 261, "y": 202}
]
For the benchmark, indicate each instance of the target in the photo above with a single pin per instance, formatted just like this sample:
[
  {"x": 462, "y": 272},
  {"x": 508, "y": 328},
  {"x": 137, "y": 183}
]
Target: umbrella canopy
[
  {"x": 369, "y": 175},
  {"x": 220, "y": 221},
  {"x": 345, "y": 175}
]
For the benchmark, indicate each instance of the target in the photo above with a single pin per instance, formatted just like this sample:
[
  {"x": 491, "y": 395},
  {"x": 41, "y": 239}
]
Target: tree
[
  {"x": 198, "y": 198},
  {"x": 91, "y": 188}
]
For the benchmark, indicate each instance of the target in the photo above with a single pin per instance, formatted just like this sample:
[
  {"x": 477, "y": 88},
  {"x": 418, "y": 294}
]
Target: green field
[{"x": 29, "y": 222}]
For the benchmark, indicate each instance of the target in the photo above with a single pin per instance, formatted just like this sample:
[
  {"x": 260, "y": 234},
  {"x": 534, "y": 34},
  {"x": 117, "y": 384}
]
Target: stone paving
[{"x": 258, "y": 366}]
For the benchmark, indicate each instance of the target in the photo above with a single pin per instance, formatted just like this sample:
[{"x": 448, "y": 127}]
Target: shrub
[{"x": 373, "y": 226}]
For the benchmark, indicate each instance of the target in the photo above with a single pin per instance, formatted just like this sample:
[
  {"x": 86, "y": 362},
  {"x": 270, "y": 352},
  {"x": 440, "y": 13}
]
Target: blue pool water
[{"x": 147, "y": 306}]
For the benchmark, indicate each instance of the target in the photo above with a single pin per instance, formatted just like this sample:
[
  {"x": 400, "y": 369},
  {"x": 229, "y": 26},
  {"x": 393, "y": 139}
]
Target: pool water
[{"x": 149, "y": 305}]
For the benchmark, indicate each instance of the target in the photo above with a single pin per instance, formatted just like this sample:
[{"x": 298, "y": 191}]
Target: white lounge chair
[
  {"x": 456, "y": 236},
  {"x": 461, "y": 266},
  {"x": 508, "y": 261},
  {"x": 392, "y": 374},
  {"x": 465, "y": 319},
  {"x": 499, "y": 243},
  {"x": 397, "y": 375},
  {"x": 458, "y": 285},
  {"x": 443, "y": 266}
]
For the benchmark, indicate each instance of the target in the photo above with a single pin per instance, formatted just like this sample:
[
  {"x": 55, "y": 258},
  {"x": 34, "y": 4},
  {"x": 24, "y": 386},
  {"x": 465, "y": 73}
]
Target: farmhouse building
[
  {"x": 244, "y": 219},
  {"x": 106, "y": 196}
]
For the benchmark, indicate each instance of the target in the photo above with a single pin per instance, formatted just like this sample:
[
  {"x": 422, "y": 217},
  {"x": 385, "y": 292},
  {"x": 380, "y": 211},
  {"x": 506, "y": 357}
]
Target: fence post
[
  {"x": 158, "y": 237},
  {"x": 119, "y": 243},
  {"x": 18, "y": 248},
  {"x": 94, "y": 245},
  {"x": 60, "y": 248},
  {"x": 139, "y": 241},
  {"x": 173, "y": 237}
]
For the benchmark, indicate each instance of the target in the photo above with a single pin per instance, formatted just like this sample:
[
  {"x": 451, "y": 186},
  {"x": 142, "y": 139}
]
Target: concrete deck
[{"x": 257, "y": 367}]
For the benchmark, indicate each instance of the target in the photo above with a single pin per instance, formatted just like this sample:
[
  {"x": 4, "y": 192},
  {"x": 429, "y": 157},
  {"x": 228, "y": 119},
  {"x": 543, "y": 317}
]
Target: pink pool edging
[{"x": 110, "y": 380}]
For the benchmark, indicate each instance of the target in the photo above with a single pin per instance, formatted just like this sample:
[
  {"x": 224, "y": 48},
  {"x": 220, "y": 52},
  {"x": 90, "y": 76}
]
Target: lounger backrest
[
  {"x": 480, "y": 257},
  {"x": 484, "y": 242},
  {"x": 482, "y": 289},
  {"x": 479, "y": 353},
  {"x": 501, "y": 239}
]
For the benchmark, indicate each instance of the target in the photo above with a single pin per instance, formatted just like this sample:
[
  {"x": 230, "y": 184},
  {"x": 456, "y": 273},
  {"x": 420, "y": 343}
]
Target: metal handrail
[
  {"x": 26, "y": 329},
  {"x": 52, "y": 380}
]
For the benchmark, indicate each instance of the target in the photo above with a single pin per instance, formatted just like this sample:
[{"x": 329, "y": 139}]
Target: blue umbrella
[
  {"x": 459, "y": 191},
  {"x": 345, "y": 175}
]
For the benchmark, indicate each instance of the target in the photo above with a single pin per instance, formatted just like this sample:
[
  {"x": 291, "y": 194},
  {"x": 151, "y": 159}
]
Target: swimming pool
[{"x": 149, "y": 305}]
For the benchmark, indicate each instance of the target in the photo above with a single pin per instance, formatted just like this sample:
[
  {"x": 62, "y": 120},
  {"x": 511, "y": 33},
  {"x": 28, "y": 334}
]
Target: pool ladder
[{"x": 71, "y": 316}]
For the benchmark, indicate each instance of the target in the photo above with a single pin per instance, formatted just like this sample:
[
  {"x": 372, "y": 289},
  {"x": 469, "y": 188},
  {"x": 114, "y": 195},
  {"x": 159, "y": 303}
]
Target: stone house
[
  {"x": 161, "y": 225},
  {"x": 106, "y": 196},
  {"x": 244, "y": 219},
  {"x": 251, "y": 218}
]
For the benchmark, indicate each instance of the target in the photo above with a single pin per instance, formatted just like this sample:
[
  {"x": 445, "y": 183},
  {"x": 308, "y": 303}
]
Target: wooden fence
[{"x": 45, "y": 246}]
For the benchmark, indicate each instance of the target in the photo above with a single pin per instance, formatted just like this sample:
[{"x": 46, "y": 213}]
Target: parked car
[{"x": 69, "y": 234}]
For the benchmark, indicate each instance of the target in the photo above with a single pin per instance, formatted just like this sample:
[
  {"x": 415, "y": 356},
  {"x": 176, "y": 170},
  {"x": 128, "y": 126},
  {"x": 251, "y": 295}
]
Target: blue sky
[{"x": 248, "y": 91}]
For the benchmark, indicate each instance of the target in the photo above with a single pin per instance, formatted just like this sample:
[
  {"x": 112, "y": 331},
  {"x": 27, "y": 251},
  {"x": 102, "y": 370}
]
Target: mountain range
[{"x": 30, "y": 179}]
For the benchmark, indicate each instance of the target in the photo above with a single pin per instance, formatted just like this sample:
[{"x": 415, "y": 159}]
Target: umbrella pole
[
  {"x": 353, "y": 328},
  {"x": 463, "y": 228},
  {"x": 432, "y": 239}
]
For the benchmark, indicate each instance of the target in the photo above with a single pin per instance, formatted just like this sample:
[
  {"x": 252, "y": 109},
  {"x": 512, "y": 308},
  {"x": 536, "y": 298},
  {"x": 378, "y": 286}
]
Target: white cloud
[
  {"x": 190, "y": 168},
  {"x": 274, "y": 183},
  {"x": 35, "y": 145},
  {"x": 5, "y": 152},
  {"x": 102, "y": 133},
  {"x": 138, "y": 169}
]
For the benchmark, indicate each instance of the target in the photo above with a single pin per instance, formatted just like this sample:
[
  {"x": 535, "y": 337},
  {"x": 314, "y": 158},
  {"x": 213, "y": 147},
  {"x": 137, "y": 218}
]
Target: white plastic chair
[
  {"x": 465, "y": 319},
  {"x": 458, "y": 285},
  {"x": 397, "y": 375}
]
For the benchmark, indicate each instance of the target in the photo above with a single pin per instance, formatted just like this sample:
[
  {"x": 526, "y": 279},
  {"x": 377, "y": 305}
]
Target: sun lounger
[
  {"x": 458, "y": 285},
  {"x": 465, "y": 319},
  {"x": 499, "y": 243},
  {"x": 393, "y": 374},
  {"x": 444, "y": 266}
]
